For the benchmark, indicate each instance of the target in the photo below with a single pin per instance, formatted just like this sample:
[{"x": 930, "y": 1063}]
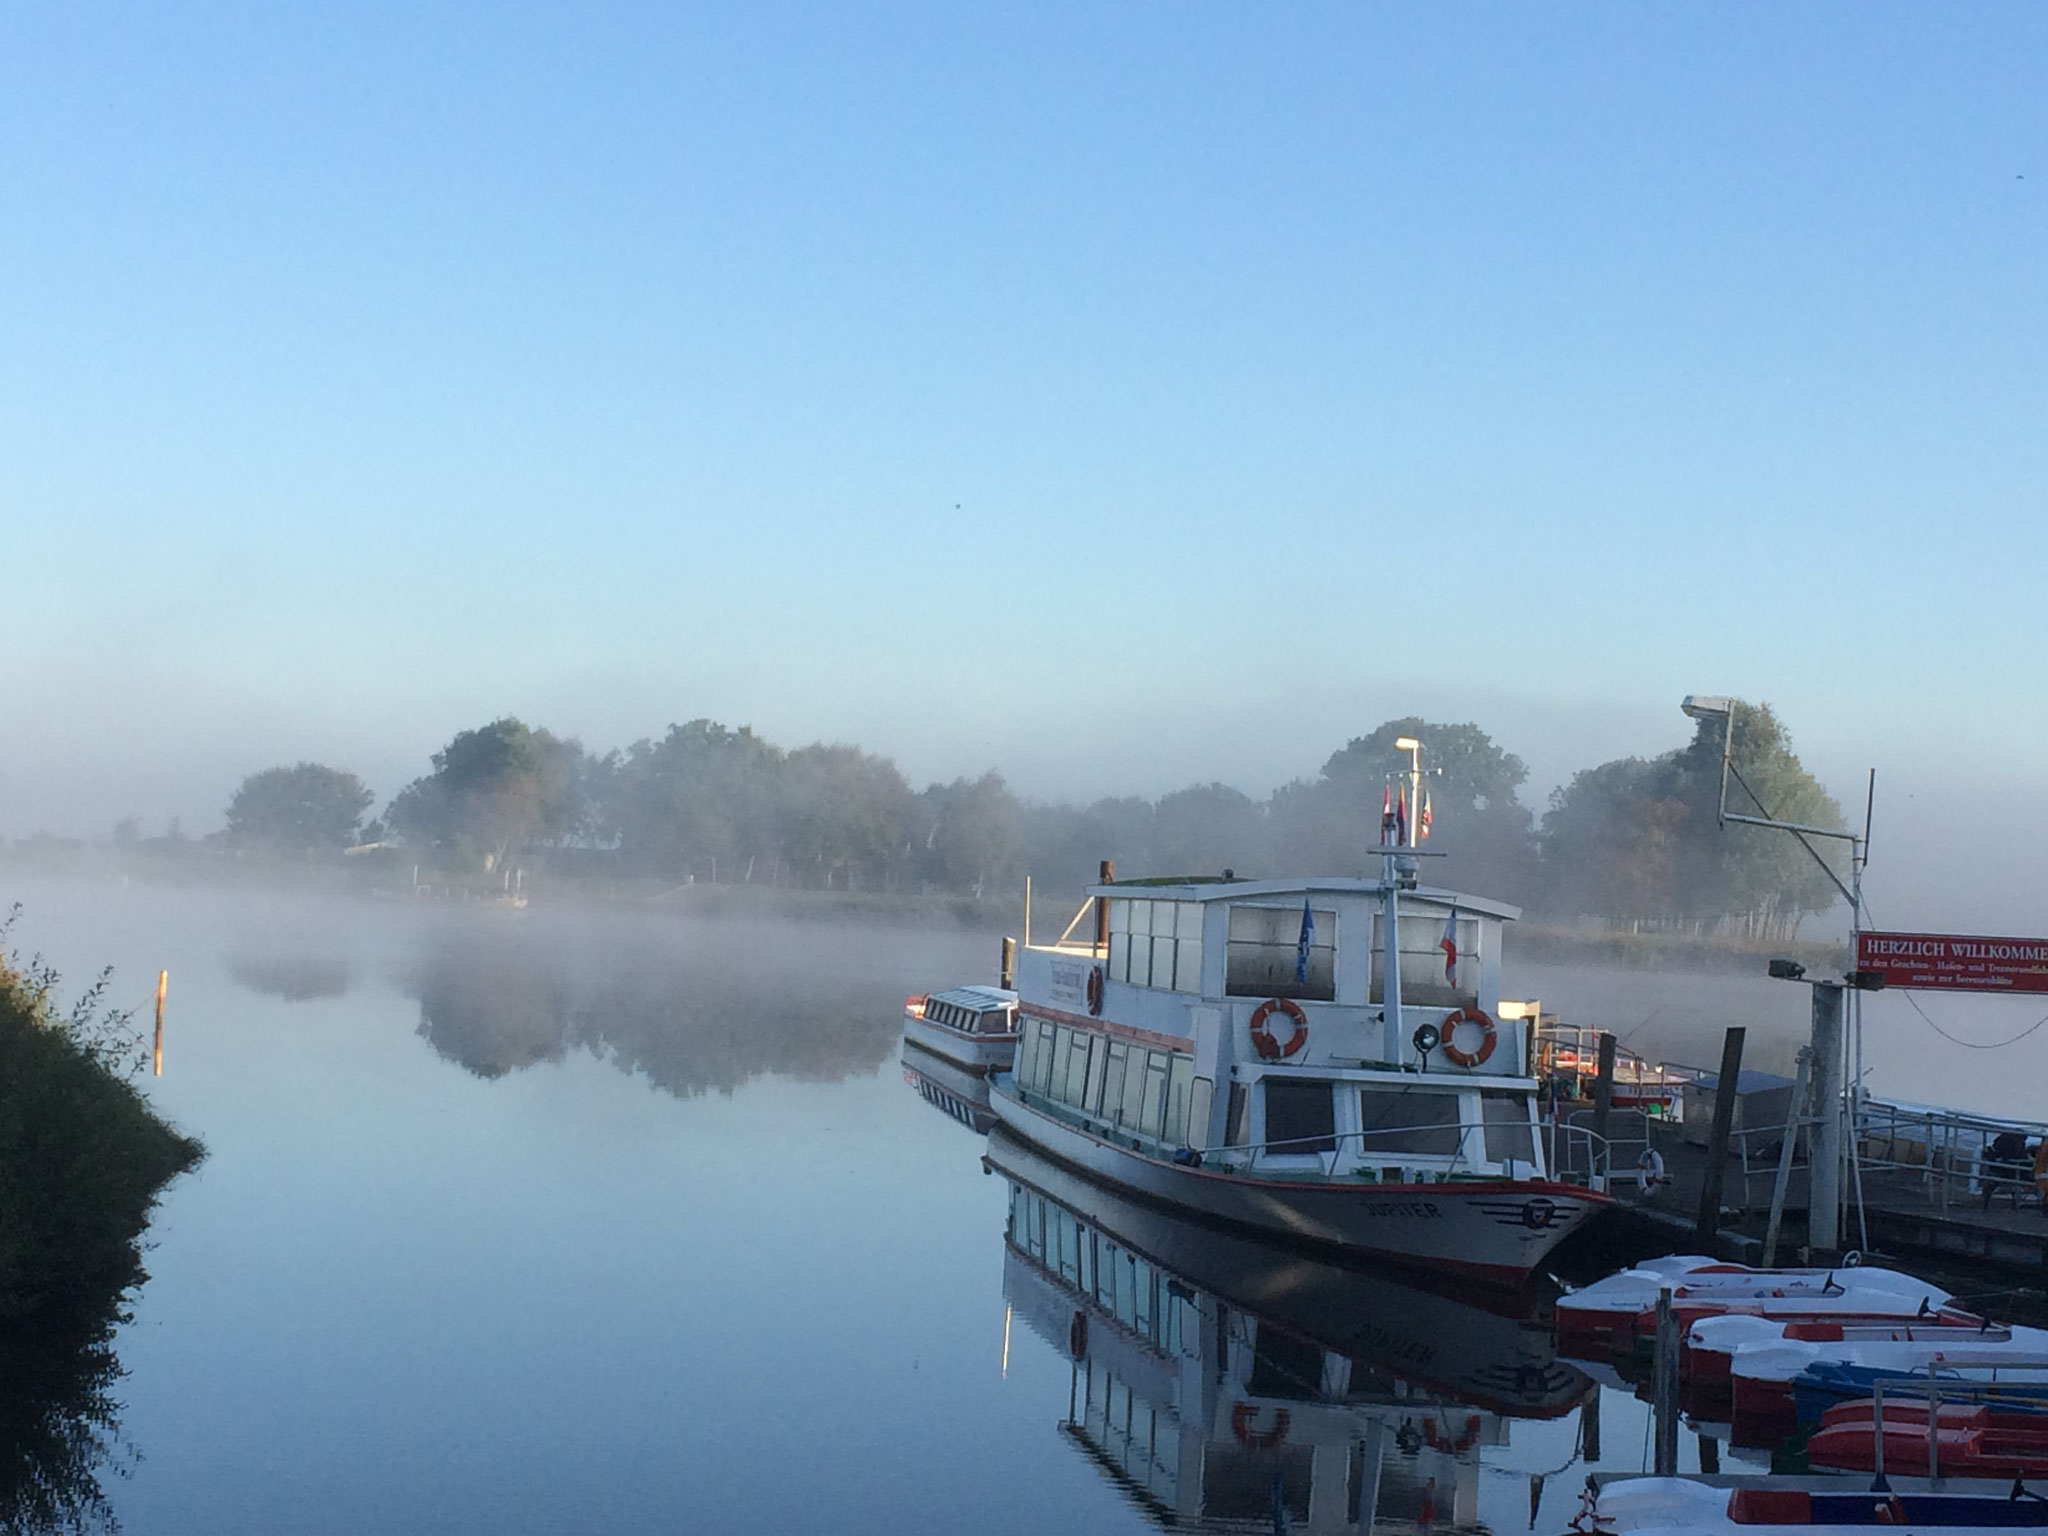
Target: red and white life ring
[
  {"x": 1094, "y": 991},
  {"x": 1241, "y": 1418},
  {"x": 1263, "y": 1042},
  {"x": 1437, "y": 1441},
  {"x": 1456, "y": 1054}
]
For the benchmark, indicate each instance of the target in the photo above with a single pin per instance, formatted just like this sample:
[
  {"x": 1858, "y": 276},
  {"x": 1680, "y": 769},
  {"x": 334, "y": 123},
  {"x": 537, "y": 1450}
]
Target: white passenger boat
[
  {"x": 974, "y": 1028},
  {"x": 1315, "y": 1060}
]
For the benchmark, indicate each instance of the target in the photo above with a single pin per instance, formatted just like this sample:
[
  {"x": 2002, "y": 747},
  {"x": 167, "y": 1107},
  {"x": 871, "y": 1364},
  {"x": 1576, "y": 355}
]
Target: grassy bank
[{"x": 83, "y": 1156}]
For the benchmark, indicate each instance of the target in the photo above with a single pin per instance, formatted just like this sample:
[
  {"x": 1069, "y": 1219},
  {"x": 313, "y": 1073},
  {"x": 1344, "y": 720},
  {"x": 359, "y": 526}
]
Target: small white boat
[
  {"x": 974, "y": 1028},
  {"x": 1640, "y": 1506},
  {"x": 1612, "y": 1314}
]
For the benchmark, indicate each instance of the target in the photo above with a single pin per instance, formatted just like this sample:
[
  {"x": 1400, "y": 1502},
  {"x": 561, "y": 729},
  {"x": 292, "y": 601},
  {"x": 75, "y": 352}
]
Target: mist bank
[{"x": 513, "y": 809}]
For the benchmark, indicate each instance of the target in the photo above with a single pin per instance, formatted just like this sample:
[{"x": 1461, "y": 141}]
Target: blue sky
[{"x": 1118, "y": 395}]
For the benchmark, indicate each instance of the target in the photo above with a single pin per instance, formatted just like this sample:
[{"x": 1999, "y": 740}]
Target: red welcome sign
[{"x": 1955, "y": 962}]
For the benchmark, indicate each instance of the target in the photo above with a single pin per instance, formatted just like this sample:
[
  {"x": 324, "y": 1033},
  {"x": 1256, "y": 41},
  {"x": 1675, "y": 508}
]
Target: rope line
[{"x": 1974, "y": 1045}]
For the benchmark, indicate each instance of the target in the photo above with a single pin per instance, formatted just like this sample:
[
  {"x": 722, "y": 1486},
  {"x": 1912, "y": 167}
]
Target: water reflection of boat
[
  {"x": 1215, "y": 1376},
  {"x": 948, "y": 1089},
  {"x": 974, "y": 1028}
]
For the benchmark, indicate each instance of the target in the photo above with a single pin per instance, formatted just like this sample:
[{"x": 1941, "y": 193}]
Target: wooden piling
[
  {"x": 1102, "y": 909},
  {"x": 1009, "y": 970},
  {"x": 1603, "y": 1103},
  {"x": 1665, "y": 1401},
  {"x": 1725, "y": 1096},
  {"x": 163, "y": 985}
]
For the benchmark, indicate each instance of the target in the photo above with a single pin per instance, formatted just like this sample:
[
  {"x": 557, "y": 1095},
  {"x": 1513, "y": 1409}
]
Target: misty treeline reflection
[
  {"x": 1634, "y": 839},
  {"x": 695, "y": 1008}
]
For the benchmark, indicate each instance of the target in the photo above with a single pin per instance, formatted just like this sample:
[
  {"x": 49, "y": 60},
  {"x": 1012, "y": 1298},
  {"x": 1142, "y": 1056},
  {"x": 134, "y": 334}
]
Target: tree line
[{"x": 1634, "y": 840}]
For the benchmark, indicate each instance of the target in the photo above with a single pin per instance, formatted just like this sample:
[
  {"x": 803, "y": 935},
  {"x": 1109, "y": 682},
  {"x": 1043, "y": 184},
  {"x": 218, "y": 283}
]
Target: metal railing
[
  {"x": 1937, "y": 1392},
  {"x": 1945, "y": 1153}
]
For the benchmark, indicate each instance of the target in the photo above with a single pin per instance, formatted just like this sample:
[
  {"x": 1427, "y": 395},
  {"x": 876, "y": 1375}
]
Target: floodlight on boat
[{"x": 1707, "y": 706}]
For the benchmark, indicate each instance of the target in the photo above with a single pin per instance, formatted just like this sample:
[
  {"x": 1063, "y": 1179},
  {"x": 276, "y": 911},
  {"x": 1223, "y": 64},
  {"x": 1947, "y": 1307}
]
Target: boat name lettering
[
  {"x": 1067, "y": 983},
  {"x": 1423, "y": 1210}
]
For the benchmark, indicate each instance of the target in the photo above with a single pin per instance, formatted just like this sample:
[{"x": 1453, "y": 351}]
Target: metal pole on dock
[
  {"x": 1795, "y": 1117},
  {"x": 1725, "y": 1097},
  {"x": 1665, "y": 1403},
  {"x": 1603, "y": 1103},
  {"x": 1824, "y": 1177}
]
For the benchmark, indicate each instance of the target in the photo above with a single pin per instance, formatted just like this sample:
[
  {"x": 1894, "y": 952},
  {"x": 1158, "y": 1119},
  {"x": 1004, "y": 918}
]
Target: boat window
[
  {"x": 1263, "y": 955},
  {"x": 1235, "y": 1132},
  {"x": 1156, "y": 944},
  {"x": 1180, "y": 1081},
  {"x": 1153, "y": 1120},
  {"x": 1508, "y": 1131},
  {"x": 1076, "y": 1090},
  {"x": 1301, "y": 1116},
  {"x": 1408, "y": 1120},
  {"x": 1199, "y": 1100},
  {"x": 1098, "y": 1063},
  {"x": 1134, "y": 1092},
  {"x": 1423, "y": 959},
  {"x": 1110, "y": 1105},
  {"x": 1052, "y": 1066}
]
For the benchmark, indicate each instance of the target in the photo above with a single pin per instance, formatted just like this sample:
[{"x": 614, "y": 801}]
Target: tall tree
[
  {"x": 846, "y": 815},
  {"x": 703, "y": 799},
  {"x": 495, "y": 791},
  {"x": 304, "y": 809},
  {"x": 1485, "y": 831},
  {"x": 1637, "y": 839},
  {"x": 972, "y": 833}
]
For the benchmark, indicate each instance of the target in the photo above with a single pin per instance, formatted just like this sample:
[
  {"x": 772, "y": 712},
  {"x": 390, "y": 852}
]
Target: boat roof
[
  {"x": 976, "y": 999},
  {"x": 1217, "y": 888}
]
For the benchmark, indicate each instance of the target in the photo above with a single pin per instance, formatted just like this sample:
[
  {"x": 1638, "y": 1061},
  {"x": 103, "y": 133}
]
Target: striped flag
[{"x": 1449, "y": 945}]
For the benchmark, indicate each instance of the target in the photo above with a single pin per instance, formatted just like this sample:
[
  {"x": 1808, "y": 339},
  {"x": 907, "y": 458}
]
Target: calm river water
[{"x": 548, "y": 1222}]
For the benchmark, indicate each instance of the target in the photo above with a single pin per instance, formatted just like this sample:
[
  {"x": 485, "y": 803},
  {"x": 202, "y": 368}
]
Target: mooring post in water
[
  {"x": 1589, "y": 1428},
  {"x": 1665, "y": 1403},
  {"x": 1710, "y": 1455},
  {"x": 1725, "y": 1099},
  {"x": 1795, "y": 1122},
  {"x": 1824, "y": 1175},
  {"x": 1603, "y": 1102},
  {"x": 1009, "y": 971},
  {"x": 163, "y": 985}
]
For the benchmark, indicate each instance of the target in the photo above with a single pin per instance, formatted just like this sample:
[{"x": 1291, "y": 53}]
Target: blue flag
[{"x": 1308, "y": 937}]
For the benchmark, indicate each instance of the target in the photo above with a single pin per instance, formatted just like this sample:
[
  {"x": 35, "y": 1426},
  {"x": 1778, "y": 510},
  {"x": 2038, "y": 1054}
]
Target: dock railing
[{"x": 1943, "y": 1156}]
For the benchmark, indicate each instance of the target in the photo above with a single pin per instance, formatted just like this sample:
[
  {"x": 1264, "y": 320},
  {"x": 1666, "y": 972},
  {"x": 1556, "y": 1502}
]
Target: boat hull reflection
[
  {"x": 950, "y": 1089},
  {"x": 1218, "y": 1379}
]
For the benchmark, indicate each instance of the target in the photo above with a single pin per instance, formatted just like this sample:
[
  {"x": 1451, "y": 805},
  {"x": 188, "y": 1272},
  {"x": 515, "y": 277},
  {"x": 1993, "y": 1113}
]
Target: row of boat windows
[
  {"x": 1301, "y": 1117},
  {"x": 967, "y": 1020},
  {"x": 1130, "y": 1289},
  {"x": 1159, "y": 944},
  {"x": 1125, "y": 1086},
  {"x": 1142, "y": 1439}
]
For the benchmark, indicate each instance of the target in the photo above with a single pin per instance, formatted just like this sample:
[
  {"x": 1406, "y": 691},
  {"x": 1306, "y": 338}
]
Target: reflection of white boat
[
  {"x": 1219, "y": 1380},
  {"x": 949, "y": 1089},
  {"x": 1479, "y": 1345},
  {"x": 974, "y": 1028},
  {"x": 1318, "y": 1060}
]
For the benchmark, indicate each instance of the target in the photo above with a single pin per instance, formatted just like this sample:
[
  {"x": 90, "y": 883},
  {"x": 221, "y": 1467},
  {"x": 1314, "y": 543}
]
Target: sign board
[{"x": 1955, "y": 962}]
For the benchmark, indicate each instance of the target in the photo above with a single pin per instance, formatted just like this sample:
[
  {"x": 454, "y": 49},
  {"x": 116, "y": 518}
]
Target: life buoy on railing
[
  {"x": 1263, "y": 1042},
  {"x": 1094, "y": 991},
  {"x": 1241, "y": 1425},
  {"x": 1650, "y": 1174},
  {"x": 1456, "y": 1054}
]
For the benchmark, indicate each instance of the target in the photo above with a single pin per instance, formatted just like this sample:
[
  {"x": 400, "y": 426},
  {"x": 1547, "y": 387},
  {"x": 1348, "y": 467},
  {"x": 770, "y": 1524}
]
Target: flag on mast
[
  {"x": 1401, "y": 818},
  {"x": 1422, "y": 826},
  {"x": 1308, "y": 937},
  {"x": 1386, "y": 815},
  {"x": 1449, "y": 945}
]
